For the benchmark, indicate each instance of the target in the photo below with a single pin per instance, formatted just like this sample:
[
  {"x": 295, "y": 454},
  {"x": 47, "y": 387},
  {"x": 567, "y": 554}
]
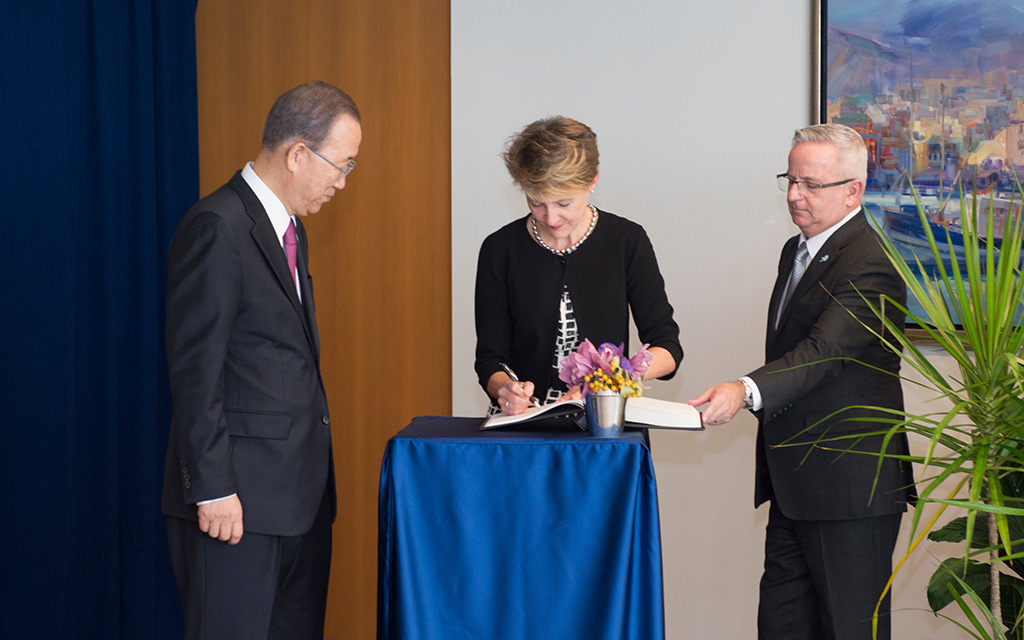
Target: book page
[
  {"x": 551, "y": 410},
  {"x": 662, "y": 414}
]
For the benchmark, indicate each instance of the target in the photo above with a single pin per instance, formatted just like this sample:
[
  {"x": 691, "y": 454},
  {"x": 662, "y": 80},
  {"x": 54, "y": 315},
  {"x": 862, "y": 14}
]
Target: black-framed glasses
[
  {"x": 806, "y": 187},
  {"x": 341, "y": 172}
]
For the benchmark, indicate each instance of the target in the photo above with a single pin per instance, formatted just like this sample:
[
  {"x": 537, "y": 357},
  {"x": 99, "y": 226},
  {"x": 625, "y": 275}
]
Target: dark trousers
[
  {"x": 272, "y": 587},
  {"x": 822, "y": 579}
]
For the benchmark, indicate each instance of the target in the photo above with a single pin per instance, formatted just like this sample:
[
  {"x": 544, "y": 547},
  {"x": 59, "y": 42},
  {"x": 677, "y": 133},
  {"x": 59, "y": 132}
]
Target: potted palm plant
[
  {"x": 971, "y": 298},
  {"x": 961, "y": 578}
]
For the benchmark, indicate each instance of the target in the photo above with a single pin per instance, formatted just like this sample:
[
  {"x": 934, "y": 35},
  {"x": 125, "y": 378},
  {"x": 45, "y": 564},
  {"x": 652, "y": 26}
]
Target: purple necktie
[{"x": 290, "y": 248}]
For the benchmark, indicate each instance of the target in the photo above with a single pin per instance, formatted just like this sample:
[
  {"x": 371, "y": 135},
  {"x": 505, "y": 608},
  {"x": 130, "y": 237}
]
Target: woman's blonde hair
[{"x": 554, "y": 156}]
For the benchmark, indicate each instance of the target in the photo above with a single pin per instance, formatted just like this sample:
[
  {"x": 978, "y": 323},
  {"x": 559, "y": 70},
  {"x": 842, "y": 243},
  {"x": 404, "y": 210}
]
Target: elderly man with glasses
[
  {"x": 831, "y": 529},
  {"x": 249, "y": 480}
]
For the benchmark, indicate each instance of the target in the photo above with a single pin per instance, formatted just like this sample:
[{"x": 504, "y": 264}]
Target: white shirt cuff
[
  {"x": 215, "y": 499},
  {"x": 755, "y": 394}
]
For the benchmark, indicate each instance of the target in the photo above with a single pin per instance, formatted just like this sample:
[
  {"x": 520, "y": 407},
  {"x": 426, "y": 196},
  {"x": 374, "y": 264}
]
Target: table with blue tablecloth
[{"x": 549, "y": 533}]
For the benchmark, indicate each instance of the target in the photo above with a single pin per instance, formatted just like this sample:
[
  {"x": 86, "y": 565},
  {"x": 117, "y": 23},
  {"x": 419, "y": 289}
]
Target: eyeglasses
[
  {"x": 341, "y": 172},
  {"x": 806, "y": 187}
]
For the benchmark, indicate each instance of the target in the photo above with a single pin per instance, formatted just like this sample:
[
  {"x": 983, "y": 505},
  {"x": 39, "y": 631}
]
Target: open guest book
[{"x": 640, "y": 412}]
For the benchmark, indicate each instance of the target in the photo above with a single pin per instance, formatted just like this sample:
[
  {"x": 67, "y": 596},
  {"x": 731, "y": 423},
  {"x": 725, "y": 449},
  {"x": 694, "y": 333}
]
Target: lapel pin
[{"x": 824, "y": 258}]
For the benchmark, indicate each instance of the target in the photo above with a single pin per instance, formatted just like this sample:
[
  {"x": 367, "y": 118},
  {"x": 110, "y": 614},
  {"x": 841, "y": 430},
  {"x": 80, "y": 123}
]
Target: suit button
[
  {"x": 325, "y": 419},
  {"x": 188, "y": 485}
]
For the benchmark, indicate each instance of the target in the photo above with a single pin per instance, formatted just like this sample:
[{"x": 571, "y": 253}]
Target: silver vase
[{"x": 605, "y": 411}]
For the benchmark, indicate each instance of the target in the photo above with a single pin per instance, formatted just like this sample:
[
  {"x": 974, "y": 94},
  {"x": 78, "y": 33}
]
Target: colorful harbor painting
[{"x": 936, "y": 89}]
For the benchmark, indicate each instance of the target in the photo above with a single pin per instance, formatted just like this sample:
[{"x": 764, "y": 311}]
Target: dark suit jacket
[
  {"x": 815, "y": 326},
  {"x": 250, "y": 412}
]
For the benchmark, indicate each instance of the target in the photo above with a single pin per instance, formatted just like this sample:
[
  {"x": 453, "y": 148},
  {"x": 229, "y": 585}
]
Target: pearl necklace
[{"x": 565, "y": 252}]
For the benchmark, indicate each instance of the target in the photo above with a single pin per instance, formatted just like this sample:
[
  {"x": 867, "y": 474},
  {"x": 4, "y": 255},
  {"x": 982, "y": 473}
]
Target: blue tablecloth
[{"x": 518, "y": 535}]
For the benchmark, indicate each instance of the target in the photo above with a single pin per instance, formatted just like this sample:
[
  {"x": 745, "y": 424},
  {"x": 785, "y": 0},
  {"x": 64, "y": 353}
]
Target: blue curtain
[{"x": 100, "y": 151}]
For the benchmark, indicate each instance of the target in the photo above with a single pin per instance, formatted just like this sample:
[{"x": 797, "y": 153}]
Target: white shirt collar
[
  {"x": 278, "y": 215},
  {"x": 815, "y": 243}
]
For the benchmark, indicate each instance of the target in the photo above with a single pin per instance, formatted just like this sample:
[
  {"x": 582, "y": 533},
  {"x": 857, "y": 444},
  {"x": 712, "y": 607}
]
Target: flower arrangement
[{"x": 605, "y": 368}]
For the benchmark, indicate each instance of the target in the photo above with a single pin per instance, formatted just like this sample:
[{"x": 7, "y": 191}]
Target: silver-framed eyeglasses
[
  {"x": 806, "y": 187},
  {"x": 341, "y": 172}
]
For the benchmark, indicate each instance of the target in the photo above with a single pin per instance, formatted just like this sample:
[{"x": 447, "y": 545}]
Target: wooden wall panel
[{"x": 380, "y": 250}]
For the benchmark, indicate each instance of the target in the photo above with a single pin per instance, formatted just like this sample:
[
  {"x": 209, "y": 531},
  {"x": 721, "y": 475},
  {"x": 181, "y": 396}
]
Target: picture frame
[{"x": 936, "y": 89}]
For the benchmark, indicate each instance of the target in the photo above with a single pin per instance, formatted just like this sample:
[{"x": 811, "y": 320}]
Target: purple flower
[
  {"x": 576, "y": 366},
  {"x": 609, "y": 358},
  {"x": 641, "y": 362}
]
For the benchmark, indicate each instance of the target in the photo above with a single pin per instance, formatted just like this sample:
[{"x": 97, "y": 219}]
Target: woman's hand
[
  {"x": 513, "y": 397},
  {"x": 575, "y": 393}
]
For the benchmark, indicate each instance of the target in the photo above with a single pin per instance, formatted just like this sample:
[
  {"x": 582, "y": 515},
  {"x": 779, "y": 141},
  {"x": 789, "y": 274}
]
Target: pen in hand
[{"x": 512, "y": 374}]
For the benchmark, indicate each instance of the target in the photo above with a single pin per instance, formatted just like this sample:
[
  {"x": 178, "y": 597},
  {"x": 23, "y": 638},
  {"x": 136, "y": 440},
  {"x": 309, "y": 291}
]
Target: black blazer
[
  {"x": 250, "y": 411},
  {"x": 519, "y": 285},
  {"x": 816, "y": 326}
]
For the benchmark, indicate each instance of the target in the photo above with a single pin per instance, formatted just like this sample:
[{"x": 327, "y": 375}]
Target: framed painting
[{"x": 936, "y": 89}]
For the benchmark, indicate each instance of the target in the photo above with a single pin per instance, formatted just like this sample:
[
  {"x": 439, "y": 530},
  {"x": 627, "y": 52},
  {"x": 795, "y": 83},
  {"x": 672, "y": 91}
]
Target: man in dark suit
[
  {"x": 249, "y": 480},
  {"x": 831, "y": 533}
]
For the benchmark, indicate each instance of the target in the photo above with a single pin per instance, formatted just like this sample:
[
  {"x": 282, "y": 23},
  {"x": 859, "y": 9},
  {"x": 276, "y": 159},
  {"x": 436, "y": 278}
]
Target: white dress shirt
[{"x": 278, "y": 215}]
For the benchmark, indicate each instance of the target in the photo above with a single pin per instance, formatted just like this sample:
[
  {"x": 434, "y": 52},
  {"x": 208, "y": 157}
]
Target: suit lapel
[
  {"x": 268, "y": 243},
  {"x": 785, "y": 269},
  {"x": 816, "y": 269},
  {"x": 306, "y": 282}
]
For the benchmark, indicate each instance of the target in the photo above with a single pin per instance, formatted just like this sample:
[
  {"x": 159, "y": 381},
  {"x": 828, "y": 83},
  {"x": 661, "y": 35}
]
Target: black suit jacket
[
  {"x": 250, "y": 411},
  {"x": 817, "y": 327}
]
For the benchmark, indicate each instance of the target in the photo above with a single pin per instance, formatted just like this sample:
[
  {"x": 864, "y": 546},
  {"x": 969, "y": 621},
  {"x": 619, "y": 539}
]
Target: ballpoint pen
[{"x": 512, "y": 374}]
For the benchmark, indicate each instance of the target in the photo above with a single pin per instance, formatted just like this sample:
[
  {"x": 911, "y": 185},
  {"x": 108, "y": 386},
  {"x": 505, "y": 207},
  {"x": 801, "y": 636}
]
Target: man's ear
[
  {"x": 293, "y": 153},
  {"x": 854, "y": 191}
]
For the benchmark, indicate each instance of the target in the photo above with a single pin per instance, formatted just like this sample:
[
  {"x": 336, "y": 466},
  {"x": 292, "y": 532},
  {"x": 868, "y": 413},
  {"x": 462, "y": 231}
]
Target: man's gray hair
[
  {"x": 853, "y": 153},
  {"x": 306, "y": 114}
]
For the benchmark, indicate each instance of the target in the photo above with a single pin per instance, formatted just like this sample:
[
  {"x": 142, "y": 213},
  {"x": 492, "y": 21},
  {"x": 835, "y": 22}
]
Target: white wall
[{"x": 694, "y": 105}]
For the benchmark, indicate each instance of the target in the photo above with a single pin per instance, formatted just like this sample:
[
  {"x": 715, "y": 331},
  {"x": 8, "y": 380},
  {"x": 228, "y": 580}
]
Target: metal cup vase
[{"x": 605, "y": 414}]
